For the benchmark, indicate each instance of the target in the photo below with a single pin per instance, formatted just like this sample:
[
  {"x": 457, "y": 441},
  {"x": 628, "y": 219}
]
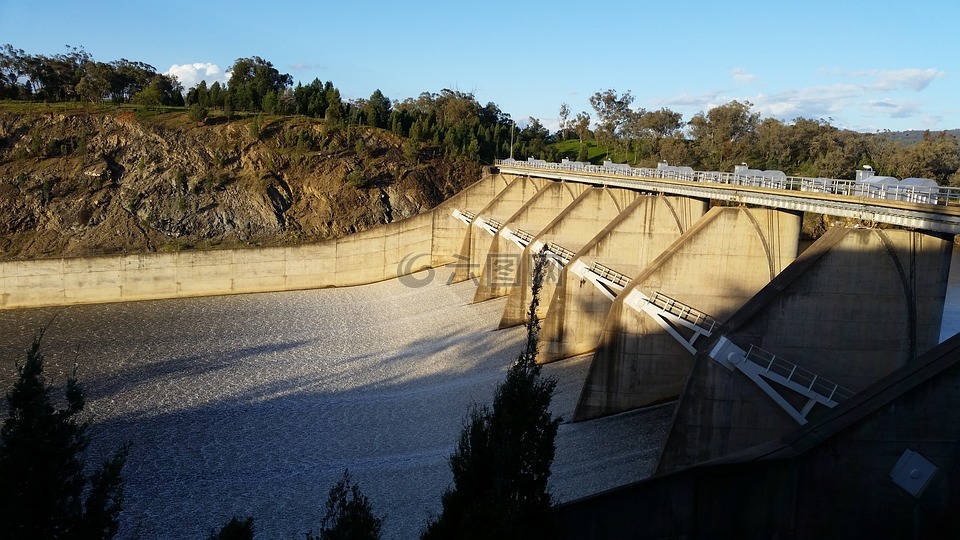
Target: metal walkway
[
  {"x": 763, "y": 368},
  {"x": 672, "y": 315},
  {"x": 608, "y": 281}
]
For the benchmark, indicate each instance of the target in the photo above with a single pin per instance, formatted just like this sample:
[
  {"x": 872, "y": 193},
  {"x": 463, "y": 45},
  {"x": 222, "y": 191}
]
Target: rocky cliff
[{"x": 80, "y": 181}]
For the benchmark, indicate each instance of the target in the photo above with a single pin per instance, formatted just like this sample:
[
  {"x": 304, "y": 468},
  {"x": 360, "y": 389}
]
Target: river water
[{"x": 254, "y": 405}]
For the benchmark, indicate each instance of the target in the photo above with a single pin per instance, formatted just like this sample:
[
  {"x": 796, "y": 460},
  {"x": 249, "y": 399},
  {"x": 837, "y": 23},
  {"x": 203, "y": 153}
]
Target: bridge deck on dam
[
  {"x": 939, "y": 212},
  {"x": 255, "y": 404}
]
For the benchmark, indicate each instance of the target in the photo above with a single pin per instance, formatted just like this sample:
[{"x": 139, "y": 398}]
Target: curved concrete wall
[{"x": 402, "y": 247}]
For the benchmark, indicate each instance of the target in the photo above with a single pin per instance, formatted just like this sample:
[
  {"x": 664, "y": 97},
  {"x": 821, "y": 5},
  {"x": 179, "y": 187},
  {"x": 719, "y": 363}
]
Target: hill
[
  {"x": 77, "y": 180},
  {"x": 913, "y": 136}
]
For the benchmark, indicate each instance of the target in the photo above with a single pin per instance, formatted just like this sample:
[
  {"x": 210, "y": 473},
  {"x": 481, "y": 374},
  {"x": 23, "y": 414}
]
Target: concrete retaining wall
[{"x": 402, "y": 247}]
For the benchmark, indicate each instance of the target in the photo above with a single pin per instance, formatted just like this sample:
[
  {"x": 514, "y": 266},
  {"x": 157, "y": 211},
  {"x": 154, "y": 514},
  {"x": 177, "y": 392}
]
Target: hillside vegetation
[{"x": 80, "y": 180}]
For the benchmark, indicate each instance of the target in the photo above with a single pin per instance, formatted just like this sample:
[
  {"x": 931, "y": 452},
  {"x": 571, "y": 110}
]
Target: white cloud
[
  {"x": 877, "y": 95},
  {"x": 190, "y": 75},
  {"x": 306, "y": 66},
  {"x": 898, "y": 79},
  {"x": 743, "y": 76}
]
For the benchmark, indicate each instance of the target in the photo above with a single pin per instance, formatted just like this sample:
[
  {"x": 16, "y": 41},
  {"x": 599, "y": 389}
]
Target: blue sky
[{"x": 864, "y": 65}]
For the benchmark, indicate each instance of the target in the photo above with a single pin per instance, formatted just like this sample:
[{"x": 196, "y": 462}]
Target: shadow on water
[{"x": 255, "y": 404}]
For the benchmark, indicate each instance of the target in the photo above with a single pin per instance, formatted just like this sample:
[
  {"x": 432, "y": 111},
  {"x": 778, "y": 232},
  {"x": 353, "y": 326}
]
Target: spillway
[{"x": 254, "y": 405}]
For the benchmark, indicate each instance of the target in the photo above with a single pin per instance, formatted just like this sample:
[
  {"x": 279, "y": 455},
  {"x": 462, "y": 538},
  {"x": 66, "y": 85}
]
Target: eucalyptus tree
[
  {"x": 613, "y": 113},
  {"x": 724, "y": 136}
]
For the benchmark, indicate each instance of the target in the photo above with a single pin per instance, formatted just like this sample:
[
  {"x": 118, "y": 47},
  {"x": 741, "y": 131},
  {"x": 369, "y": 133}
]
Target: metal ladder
[
  {"x": 555, "y": 253},
  {"x": 490, "y": 225}
]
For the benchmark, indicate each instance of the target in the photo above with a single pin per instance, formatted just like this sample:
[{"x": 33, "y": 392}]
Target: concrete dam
[{"x": 716, "y": 352}]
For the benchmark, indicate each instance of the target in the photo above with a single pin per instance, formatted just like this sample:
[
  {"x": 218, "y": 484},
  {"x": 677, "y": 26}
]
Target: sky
[{"x": 862, "y": 65}]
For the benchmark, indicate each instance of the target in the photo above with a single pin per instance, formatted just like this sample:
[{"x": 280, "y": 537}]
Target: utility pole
[{"x": 513, "y": 126}]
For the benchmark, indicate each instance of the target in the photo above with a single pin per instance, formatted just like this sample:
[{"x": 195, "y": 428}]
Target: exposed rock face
[{"x": 78, "y": 182}]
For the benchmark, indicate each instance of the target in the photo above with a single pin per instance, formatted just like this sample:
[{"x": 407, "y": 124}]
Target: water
[{"x": 254, "y": 405}]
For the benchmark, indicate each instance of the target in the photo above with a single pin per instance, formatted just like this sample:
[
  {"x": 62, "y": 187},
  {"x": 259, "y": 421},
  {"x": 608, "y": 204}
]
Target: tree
[
  {"x": 613, "y": 112},
  {"x": 235, "y": 530},
  {"x": 349, "y": 514},
  {"x": 502, "y": 462},
  {"x": 661, "y": 124},
  {"x": 250, "y": 81},
  {"x": 581, "y": 124},
  {"x": 564, "y": 120},
  {"x": 724, "y": 135},
  {"x": 43, "y": 490},
  {"x": 334, "y": 113},
  {"x": 197, "y": 113},
  {"x": 377, "y": 110}
]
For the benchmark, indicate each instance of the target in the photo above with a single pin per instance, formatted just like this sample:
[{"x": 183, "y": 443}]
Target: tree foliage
[
  {"x": 723, "y": 133},
  {"x": 76, "y": 76},
  {"x": 502, "y": 462},
  {"x": 252, "y": 80},
  {"x": 613, "y": 114},
  {"x": 235, "y": 529},
  {"x": 44, "y": 492},
  {"x": 349, "y": 514}
]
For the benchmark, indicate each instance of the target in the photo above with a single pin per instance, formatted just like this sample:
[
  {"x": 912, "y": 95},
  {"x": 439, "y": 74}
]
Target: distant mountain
[{"x": 913, "y": 136}]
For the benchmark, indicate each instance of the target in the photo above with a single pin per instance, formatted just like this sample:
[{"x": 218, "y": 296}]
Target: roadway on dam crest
[{"x": 255, "y": 404}]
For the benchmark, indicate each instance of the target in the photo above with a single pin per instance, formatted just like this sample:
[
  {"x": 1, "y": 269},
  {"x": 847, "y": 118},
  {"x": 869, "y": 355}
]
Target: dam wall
[{"x": 402, "y": 247}]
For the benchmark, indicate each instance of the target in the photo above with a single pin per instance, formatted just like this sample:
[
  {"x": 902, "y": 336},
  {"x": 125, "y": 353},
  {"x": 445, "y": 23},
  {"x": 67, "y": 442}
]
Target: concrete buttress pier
[
  {"x": 501, "y": 265},
  {"x": 574, "y": 228},
  {"x": 627, "y": 244},
  {"x": 516, "y": 192},
  {"x": 714, "y": 267},
  {"x": 855, "y": 306},
  {"x": 449, "y": 233},
  {"x": 401, "y": 247}
]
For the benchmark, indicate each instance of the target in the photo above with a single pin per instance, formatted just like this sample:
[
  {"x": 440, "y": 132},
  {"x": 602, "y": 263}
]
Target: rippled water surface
[{"x": 255, "y": 404}]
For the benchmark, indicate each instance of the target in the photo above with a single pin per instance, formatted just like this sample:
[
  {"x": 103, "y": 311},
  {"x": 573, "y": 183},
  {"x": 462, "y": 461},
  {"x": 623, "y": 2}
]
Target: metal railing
[
  {"x": 523, "y": 235},
  {"x": 610, "y": 274},
  {"x": 791, "y": 373},
  {"x": 561, "y": 251},
  {"x": 934, "y": 196},
  {"x": 685, "y": 312}
]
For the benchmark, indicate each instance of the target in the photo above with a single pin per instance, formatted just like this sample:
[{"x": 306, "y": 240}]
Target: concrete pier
[
  {"x": 858, "y": 304},
  {"x": 574, "y": 228},
  {"x": 500, "y": 208},
  {"x": 627, "y": 244},
  {"x": 716, "y": 266},
  {"x": 502, "y": 265}
]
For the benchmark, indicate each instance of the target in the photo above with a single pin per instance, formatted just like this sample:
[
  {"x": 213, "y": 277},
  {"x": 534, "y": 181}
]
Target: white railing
[
  {"x": 938, "y": 196},
  {"x": 795, "y": 377}
]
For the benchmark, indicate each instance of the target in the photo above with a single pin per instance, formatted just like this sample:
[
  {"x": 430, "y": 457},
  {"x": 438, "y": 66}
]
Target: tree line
[
  {"x": 76, "y": 76},
  {"x": 458, "y": 126},
  {"x": 733, "y": 133}
]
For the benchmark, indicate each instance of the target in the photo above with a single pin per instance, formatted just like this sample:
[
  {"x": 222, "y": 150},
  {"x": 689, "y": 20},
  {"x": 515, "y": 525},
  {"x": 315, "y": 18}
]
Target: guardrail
[
  {"x": 791, "y": 373},
  {"x": 561, "y": 251},
  {"x": 685, "y": 312},
  {"x": 939, "y": 196},
  {"x": 610, "y": 274}
]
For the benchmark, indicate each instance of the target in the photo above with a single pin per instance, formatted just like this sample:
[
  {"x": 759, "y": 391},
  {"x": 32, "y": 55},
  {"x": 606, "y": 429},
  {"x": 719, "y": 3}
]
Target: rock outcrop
[{"x": 77, "y": 182}]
